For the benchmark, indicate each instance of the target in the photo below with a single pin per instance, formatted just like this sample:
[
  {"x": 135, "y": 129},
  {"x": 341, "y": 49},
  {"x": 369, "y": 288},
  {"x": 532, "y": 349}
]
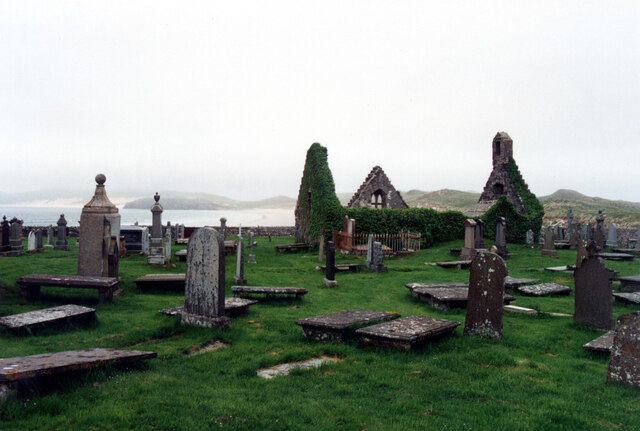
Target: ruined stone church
[
  {"x": 499, "y": 182},
  {"x": 377, "y": 192}
]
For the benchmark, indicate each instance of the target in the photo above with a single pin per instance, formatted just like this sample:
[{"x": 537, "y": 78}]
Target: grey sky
[{"x": 226, "y": 97}]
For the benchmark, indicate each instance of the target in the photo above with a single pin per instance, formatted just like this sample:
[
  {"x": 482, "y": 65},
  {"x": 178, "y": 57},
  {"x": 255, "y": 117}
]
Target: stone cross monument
[
  {"x": 61, "y": 242},
  {"x": 156, "y": 251}
]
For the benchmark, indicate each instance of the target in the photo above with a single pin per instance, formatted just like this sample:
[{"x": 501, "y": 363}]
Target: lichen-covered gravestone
[
  {"x": 370, "y": 241},
  {"x": 486, "y": 296},
  {"x": 330, "y": 269},
  {"x": 529, "y": 242},
  {"x": 549, "y": 249},
  {"x": 624, "y": 364},
  {"x": 204, "y": 282},
  {"x": 501, "y": 237},
  {"x": 378, "y": 263},
  {"x": 593, "y": 290},
  {"x": 598, "y": 237},
  {"x": 469, "y": 250}
]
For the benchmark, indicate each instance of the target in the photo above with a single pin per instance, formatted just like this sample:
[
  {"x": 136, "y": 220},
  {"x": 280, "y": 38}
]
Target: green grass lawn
[{"x": 536, "y": 377}]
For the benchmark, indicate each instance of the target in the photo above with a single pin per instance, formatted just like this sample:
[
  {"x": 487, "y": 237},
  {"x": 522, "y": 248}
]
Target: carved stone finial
[
  {"x": 156, "y": 197},
  {"x": 101, "y": 179}
]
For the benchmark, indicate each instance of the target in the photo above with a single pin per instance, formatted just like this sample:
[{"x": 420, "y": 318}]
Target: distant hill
[
  {"x": 204, "y": 201},
  {"x": 563, "y": 195}
]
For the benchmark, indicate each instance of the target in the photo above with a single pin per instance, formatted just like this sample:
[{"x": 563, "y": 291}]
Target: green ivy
[
  {"x": 434, "y": 226},
  {"x": 326, "y": 213},
  {"x": 517, "y": 224}
]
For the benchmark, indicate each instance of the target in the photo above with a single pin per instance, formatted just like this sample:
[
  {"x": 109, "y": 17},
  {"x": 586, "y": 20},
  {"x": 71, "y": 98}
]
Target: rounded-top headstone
[
  {"x": 204, "y": 283},
  {"x": 101, "y": 179}
]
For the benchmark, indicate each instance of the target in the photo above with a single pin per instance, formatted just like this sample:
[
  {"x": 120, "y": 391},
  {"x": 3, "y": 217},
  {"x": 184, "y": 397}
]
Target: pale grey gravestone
[
  {"x": 223, "y": 227},
  {"x": 624, "y": 363},
  {"x": 5, "y": 244},
  {"x": 14, "y": 238},
  {"x": 479, "y": 234},
  {"x": 573, "y": 235},
  {"x": 321, "y": 249},
  {"x": 145, "y": 240},
  {"x": 50, "y": 235},
  {"x": 593, "y": 289},
  {"x": 330, "y": 265},
  {"x": 549, "y": 248},
  {"x": 39, "y": 245},
  {"x": 612, "y": 238},
  {"x": 31, "y": 242},
  {"x": 252, "y": 256},
  {"x": 167, "y": 246},
  {"x": 501, "y": 240},
  {"x": 378, "y": 264},
  {"x": 598, "y": 235},
  {"x": 584, "y": 231},
  {"x": 486, "y": 296},
  {"x": 239, "y": 277},
  {"x": 469, "y": 250},
  {"x": 156, "y": 251},
  {"x": 204, "y": 282},
  {"x": 529, "y": 241},
  {"x": 370, "y": 242},
  {"x": 61, "y": 242}
]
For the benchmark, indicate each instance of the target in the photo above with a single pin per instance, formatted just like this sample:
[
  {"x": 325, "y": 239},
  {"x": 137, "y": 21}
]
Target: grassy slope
[{"x": 537, "y": 377}]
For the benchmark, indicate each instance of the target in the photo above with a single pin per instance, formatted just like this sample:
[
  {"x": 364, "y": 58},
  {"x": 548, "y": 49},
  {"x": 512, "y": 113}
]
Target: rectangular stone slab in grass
[
  {"x": 30, "y": 284},
  {"x": 181, "y": 255},
  {"x": 511, "y": 283},
  {"x": 27, "y": 367},
  {"x": 630, "y": 283},
  {"x": 48, "y": 317},
  {"x": 161, "y": 282},
  {"x": 406, "y": 333},
  {"x": 520, "y": 310},
  {"x": 459, "y": 264},
  {"x": 602, "y": 344},
  {"x": 269, "y": 291},
  {"x": 341, "y": 326},
  {"x": 289, "y": 248},
  {"x": 616, "y": 256},
  {"x": 447, "y": 298},
  {"x": 544, "y": 289},
  {"x": 628, "y": 297},
  {"x": 232, "y": 307},
  {"x": 634, "y": 251},
  {"x": 560, "y": 268},
  {"x": 342, "y": 267}
]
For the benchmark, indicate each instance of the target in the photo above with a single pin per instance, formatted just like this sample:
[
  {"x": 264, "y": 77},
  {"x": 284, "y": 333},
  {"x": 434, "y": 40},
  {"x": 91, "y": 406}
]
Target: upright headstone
[
  {"x": 574, "y": 238},
  {"x": 479, "y": 234},
  {"x": 239, "y": 277},
  {"x": 61, "y": 242},
  {"x": 345, "y": 223},
  {"x": 321, "y": 249},
  {"x": 529, "y": 242},
  {"x": 204, "y": 280},
  {"x": 370, "y": 241},
  {"x": 156, "y": 251},
  {"x": 145, "y": 240},
  {"x": 378, "y": 263},
  {"x": 167, "y": 246},
  {"x": 5, "y": 244},
  {"x": 599, "y": 233},
  {"x": 501, "y": 238},
  {"x": 39, "y": 244},
  {"x": 612, "y": 237},
  {"x": 330, "y": 265},
  {"x": 469, "y": 250},
  {"x": 549, "y": 248},
  {"x": 593, "y": 290},
  {"x": 99, "y": 226},
  {"x": 50, "y": 234},
  {"x": 252, "y": 256},
  {"x": 14, "y": 238},
  {"x": 31, "y": 242},
  {"x": 590, "y": 233},
  {"x": 584, "y": 231},
  {"x": 624, "y": 362},
  {"x": 486, "y": 296},
  {"x": 223, "y": 227},
  {"x": 569, "y": 219}
]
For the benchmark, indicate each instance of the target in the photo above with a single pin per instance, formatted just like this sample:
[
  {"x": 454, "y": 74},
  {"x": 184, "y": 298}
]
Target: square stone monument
[{"x": 15, "y": 237}]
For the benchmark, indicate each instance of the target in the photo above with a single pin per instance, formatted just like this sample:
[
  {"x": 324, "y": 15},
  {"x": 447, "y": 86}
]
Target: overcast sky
[{"x": 226, "y": 97}]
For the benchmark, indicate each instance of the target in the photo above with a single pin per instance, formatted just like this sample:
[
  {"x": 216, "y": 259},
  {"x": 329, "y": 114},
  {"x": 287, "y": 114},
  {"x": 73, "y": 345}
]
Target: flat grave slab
[
  {"x": 511, "y": 283},
  {"x": 521, "y": 310},
  {"x": 341, "y": 326},
  {"x": 447, "y": 298},
  {"x": 412, "y": 286},
  {"x": 602, "y": 344},
  {"x": 292, "y": 248},
  {"x": 561, "y": 245},
  {"x": 406, "y": 333},
  {"x": 181, "y": 255},
  {"x": 26, "y": 367},
  {"x": 181, "y": 241},
  {"x": 48, "y": 317},
  {"x": 459, "y": 264},
  {"x": 269, "y": 291},
  {"x": 342, "y": 267},
  {"x": 562, "y": 268},
  {"x": 616, "y": 256},
  {"x": 544, "y": 289},
  {"x": 232, "y": 307},
  {"x": 628, "y": 297},
  {"x": 161, "y": 281},
  {"x": 285, "y": 369},
  {"x": 30, "y": 284},
  {"x": 229, "y": 247},
  {"x": 630, "y": 283},
  {"x": 634, "y": 251}
]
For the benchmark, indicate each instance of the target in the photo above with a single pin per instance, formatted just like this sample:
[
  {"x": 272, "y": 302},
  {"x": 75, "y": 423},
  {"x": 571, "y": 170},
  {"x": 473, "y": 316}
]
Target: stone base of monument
[
  {"x": 198, "y": 319},
  {"x": 234, "y": 307},
  {"x": 447, "y": 298},
  {"x": 511, "y": 283},
  {"x": 239, "y": 280},
  {"x": 628, "y": 298},
  {"x": 269, "y": 291},
  {"x": 341, "y": 326},
  {"x": 459, "y": 264},
  {"x": 329, "y": 283},
  {"x": 18, "y": 369},
  {"x": 155, "y": 259},
  {"x": 48, "y": 317},
  {"x": 630, "y": 283},
  {"x": 602, "y": 344},
  {"x": 616, "y": 256},
  {"x": 544, "y": 289},
  {"x": 407, "y": 333},
  {"x": 549, "y": 253},
  {"x": 468, "y": 253}
]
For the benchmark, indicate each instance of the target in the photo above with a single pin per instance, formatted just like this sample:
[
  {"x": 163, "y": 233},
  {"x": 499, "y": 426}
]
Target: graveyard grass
[{"x": 536, "y": 377}]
